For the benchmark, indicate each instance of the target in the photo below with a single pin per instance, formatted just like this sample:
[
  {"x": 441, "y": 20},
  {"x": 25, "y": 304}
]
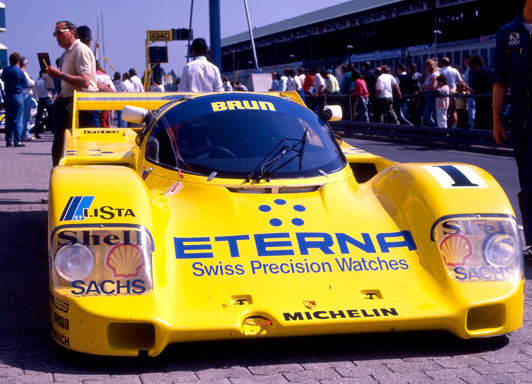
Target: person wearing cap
[
  {"x": 331, "y": 83},
  {"x": 200, "y": 75}
]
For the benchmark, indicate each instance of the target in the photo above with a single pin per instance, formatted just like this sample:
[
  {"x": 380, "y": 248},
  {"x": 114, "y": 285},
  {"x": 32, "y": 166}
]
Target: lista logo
[{"x": 78, "y": 208}]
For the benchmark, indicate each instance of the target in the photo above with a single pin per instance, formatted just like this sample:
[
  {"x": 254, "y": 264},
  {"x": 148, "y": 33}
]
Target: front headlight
[
  {"x": 74, "y": 262},
  {"x": 102, "y": 260},
  {"x": 477, "y": 248},
  {"x": 502, "y": 250}
]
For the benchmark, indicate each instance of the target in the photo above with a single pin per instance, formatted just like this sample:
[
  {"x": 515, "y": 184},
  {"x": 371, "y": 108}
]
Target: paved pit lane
[{"x": 29, "y": 355}]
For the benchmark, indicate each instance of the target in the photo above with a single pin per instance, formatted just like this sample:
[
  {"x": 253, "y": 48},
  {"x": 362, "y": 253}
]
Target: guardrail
[{"x": 474, "y": 140}]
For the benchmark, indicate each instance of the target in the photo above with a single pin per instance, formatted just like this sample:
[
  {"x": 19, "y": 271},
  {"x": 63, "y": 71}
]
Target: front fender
[
  {"x": 422, "y": 196},
  {"x": 96, "y": 194}
]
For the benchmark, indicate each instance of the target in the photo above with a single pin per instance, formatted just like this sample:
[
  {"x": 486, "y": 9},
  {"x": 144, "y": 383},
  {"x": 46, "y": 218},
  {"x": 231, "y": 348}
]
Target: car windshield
[{"x": 244, "y": 136}]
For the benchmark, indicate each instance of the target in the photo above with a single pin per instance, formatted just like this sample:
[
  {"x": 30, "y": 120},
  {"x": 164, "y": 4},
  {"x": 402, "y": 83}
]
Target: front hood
[{"x": 336, "y": 247}]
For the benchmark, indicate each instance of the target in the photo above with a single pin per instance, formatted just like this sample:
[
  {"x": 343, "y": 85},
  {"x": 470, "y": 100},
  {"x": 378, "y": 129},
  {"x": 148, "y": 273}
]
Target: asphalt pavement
[{"x": 28, "y": 354}]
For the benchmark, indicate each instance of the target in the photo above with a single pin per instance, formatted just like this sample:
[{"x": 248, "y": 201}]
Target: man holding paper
[{"x": 78, "y": 72}]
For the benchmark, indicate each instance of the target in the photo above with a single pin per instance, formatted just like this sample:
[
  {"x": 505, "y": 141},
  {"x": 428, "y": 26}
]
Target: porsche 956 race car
[{"x": 239, "y": 215}]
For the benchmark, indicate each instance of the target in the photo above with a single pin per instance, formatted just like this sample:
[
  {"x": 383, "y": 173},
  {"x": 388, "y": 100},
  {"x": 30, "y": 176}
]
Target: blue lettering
[
  {"x": 138, "y": 286},
  {"x": 407, "y": 241},
  {"x": 324, "y": 245},
  {"x": 367, "y": 246},
  {"x": 299, "y": 268},
  {"x": 283, "y": 270},
  {"x": 263, "y": 245},
  {"x": 93, "y": 287},
  {"x": 198, "y": 269},
  {"x": 228, "y": 270},
  {"x": 373, "y": 262},
  {"x": 181, "y": 248},
  {"x": 239, "y": 269},
  {"x": 473, "y": 273},
  {"x": 102, "y": 287},
  {"x": 344, "y": 265},
  {"x": 460, "y": 273},
  {"x": 78, "y": 284},
  {"x": 213, "y": 270},
  {"x": 119, "y": 286},
  {"x": 255, "y": 265},
  {"x": 233, "y": 243},
  {"x": 381, "y": 262}
]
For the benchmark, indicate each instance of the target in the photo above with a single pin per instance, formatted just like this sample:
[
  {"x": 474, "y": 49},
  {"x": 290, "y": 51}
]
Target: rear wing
[{"x": 102, "y": 101}]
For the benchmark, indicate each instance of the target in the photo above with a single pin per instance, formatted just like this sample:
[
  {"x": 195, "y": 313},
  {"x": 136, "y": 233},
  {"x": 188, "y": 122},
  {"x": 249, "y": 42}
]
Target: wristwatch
[{"x": 63, "y": 76}]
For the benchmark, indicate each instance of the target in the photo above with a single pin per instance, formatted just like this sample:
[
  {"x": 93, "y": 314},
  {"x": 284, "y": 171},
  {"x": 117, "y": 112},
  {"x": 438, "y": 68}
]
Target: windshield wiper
[{"x": 267, "y": 164}]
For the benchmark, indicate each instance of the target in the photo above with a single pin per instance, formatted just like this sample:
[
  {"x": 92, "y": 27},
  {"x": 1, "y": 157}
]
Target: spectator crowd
[{"x": 440, "y": 96}]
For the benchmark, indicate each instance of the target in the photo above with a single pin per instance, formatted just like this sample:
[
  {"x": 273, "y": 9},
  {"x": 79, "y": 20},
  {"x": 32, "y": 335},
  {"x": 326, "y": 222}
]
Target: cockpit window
[{"x": 253, "y": 136}]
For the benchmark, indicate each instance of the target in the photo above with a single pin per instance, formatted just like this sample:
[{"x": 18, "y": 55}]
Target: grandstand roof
[{"x": 333, "y": 12}]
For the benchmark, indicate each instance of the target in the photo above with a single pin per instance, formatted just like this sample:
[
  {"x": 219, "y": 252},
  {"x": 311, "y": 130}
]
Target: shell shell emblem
[
  {"x": 125, "y": 260},
  {"x": 455, "y": 249}
]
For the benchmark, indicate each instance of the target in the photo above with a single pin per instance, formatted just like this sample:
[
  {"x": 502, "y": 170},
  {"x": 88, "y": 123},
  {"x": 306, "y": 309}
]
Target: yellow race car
[{"x": 239, "y": 215}]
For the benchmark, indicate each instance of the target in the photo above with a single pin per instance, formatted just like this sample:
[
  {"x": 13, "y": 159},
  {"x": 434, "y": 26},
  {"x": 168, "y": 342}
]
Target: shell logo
[
  {"x": 455, "y": 249},
  {"x": 125, "y": 260}
]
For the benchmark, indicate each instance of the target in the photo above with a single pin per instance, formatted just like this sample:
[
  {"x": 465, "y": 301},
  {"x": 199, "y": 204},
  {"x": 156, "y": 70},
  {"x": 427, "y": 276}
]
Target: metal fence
[{"x": 471, "y": 137}]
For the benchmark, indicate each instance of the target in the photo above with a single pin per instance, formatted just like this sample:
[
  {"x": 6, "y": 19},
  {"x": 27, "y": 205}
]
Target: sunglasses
[{"x": 57, "y": 33}]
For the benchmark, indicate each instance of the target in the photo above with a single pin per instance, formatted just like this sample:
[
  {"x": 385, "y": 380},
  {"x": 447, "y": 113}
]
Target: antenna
[
  {"x": 103, "y": 42},
  {"x": 96, "y": 42},
  {"x": 251, "y": 37},
  {"x": 190, "y": 28}
]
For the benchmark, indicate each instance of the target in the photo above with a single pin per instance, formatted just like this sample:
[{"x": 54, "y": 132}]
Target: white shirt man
[
  {"x": 301, "y": 78},
  {"x": 105, "y": 79},
  {"x": 294, "y": 84},
  {"x": 137, "y": 83},
  {"x": 201, "y": 76},
  {"x": 452, "y": 75},
  {"x": 157, "y": 87},
  {"x": 283, "y": 83},
  {"x": 319, "y": 84},
  {"x": 128, "y": 86},
  {"x": 384, "y": 86}
]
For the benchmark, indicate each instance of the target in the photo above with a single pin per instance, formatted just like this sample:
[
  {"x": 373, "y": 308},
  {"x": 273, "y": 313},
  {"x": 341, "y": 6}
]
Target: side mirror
[
  {"x": 334, "y": 111},
  {"x": 134, "y": 115}
]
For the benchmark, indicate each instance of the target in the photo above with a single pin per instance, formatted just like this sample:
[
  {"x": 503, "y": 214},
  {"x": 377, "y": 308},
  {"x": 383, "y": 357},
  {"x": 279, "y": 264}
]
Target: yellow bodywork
[{"x": 358, "y": 250}]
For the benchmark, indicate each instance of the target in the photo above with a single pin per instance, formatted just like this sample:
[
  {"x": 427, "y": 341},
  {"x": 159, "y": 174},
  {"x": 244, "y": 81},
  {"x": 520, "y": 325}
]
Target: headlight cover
[
  {"x": 502, "y": 250},
  {"x": 102, "y": 261},
  {"x": 479, "y": 247},
  {"x": 74, "y": 262}
]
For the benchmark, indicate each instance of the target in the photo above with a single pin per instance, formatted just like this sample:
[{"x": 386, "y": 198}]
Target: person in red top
[
  {"x": 307, "y": 84},
  {"x": 360, "y": 96}
]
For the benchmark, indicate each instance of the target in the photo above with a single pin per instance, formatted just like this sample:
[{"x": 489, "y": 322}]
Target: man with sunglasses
[{"x": 78, "y": 72}]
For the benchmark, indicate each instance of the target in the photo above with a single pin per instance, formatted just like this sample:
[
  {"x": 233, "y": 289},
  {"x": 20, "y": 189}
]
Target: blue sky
[{"x": 30, "y": 24}]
